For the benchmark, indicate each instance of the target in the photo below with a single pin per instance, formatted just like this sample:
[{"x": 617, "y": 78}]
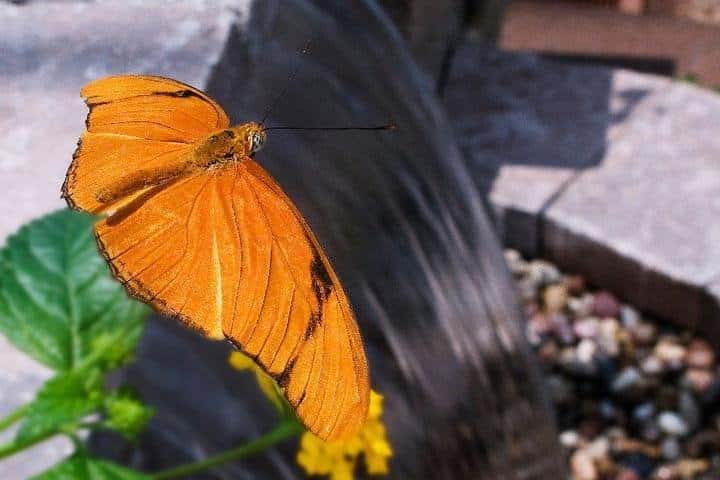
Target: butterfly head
[{"x": 249, "y": 137}]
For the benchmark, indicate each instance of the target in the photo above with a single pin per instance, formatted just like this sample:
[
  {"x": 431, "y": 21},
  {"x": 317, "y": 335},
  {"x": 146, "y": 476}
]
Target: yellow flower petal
[
  {"x": 338, "y": 459},
  {"x": 343, "y": 470}
]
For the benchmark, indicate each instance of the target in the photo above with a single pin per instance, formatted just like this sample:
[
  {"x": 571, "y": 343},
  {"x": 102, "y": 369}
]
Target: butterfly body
[{"x": 200, "y": 231}]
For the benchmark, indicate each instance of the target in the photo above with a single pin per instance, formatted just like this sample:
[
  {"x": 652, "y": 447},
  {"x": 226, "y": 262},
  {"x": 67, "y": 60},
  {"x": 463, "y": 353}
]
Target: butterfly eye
[{"x": 256, "y": 142}]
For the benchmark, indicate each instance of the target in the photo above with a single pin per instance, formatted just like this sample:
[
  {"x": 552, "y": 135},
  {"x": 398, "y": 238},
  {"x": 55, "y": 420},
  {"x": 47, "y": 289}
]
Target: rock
[
  {"x": 575, "y": 284},
  {"x": 527, "y": 289},
  {"x": 598, "y": 448},
  {"x": 627, "y": 474},
  {"x": 555, "y": 298},
  {"x": 577, "y": 362},
  {"x": 628, "y": 380},
  {"x": 650, "y": 432},
  {"x": 563, "y": 329},
  {"x": 644, "y": 333},
  {"x": 671, "y": 449},
  {"x": 569, "y": 439},
  {"x": 606, "y": 368},
  {"x": 605, "y": 304},
  {"x": 700, "y": 355},
  {"x": 517, "y": 265},
  {"x": 644, "y": 412},
  {"x": 703, "y": 442},
  {"x": 543, "y": 273},
  {"x": 699, "y": 380},
  {"x": 671, "y": 353},
  {"x": 585, "y": 351},
  {"x": 581, "y": 306},
  {"x": 667, "y": 472},
  {"x": 652, "y": 365},
  {"x": 587, "y": 327},
  {"x": 712, "y": 395},
  {"x": 608, "y": 332},
  {"x": 538, "y": 327},
  {"x": 689, "y": 410},
  {"x": 548, "y": 353},
  {"x": 627, "y": 345},
  {"x": 689, "y": 468},
  {"x": 624, "y": 446},
  {"x": 615, "y": 434},
  {"x": 672, "y": 424},
  {"x": 582, "y": 466},
  {"x": 607, "y": 410},
  {"x": 629, "y": 317},
  {"x": 590, "y": 428}
]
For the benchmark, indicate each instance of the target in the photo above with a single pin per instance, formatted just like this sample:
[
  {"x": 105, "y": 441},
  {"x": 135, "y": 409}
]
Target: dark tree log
[{"x": 405, "y": 226}]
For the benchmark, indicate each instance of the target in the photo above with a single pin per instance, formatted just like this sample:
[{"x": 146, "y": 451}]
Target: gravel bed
[{"x": 635, "y": 398}]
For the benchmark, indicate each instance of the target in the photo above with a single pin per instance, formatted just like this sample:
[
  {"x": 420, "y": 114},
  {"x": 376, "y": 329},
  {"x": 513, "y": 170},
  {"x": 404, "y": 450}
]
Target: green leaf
[
  {"x": 63, "y": 401},
  {"x": 58, "y": 300},
  {"x": 126, "y": 414},
  {"x": 81, "y": 467}
]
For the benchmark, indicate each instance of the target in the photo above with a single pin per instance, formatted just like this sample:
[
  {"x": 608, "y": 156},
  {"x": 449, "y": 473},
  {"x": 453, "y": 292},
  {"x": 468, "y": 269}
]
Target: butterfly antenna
[
  {"x": 389, "y": 126},
  {"x": 288, "y": 83}
]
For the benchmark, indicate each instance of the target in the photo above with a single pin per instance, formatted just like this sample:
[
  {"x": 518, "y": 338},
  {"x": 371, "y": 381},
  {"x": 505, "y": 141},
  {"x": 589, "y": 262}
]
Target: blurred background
[{"x": 534, "y": 254}]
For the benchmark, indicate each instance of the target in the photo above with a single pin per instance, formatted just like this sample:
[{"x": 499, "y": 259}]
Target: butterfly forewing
[
  {"x": 136, "y": 125},
  {"x": 151, "y": 107}
]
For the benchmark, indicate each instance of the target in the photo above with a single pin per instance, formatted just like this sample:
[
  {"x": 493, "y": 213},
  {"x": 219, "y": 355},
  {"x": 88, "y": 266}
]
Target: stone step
[{"x": 610, "y": 173}]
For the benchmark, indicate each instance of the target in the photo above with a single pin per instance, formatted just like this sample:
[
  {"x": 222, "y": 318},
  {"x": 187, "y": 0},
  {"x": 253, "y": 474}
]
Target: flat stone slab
[
  {"x": 610, "y": 173},
  {"x": 41, "y": 113},
  {"x": 529, "y": 125},
  {"x": 645, "y": 220},
  {"x": 48, "y": 52}
]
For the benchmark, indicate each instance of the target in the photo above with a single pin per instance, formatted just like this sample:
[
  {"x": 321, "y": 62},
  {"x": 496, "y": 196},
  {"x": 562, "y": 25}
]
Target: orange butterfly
[{"x": 201, "y": 232}]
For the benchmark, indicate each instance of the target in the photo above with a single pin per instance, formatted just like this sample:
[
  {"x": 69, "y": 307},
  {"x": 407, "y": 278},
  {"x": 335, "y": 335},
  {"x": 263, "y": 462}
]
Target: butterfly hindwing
[
  {"x": 320, "y": 361},
  {"x": 244, "y": 265}
]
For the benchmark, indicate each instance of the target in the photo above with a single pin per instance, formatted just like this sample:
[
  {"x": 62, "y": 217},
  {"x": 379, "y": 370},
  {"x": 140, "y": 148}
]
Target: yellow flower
[
  {"x": 335, "y": 459},
  {"x": 338, "y": 459},
  {"x": 268, "y": 386}
]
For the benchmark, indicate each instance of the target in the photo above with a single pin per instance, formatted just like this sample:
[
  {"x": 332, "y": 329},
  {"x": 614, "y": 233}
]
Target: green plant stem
[
  {"x": 13, "y": 417},
  {"x": 15, "y": 446},
  {"x": 284, "y": 430}
]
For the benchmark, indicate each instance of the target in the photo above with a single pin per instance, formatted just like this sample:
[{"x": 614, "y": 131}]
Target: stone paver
[
  {"x": 47, "y": 52},
  {"x": 610, "y": 173},
  {"x": 645, "y": 220},
  {"x": 528, "y": 125},
  {"x": 50, "y": 50}
]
